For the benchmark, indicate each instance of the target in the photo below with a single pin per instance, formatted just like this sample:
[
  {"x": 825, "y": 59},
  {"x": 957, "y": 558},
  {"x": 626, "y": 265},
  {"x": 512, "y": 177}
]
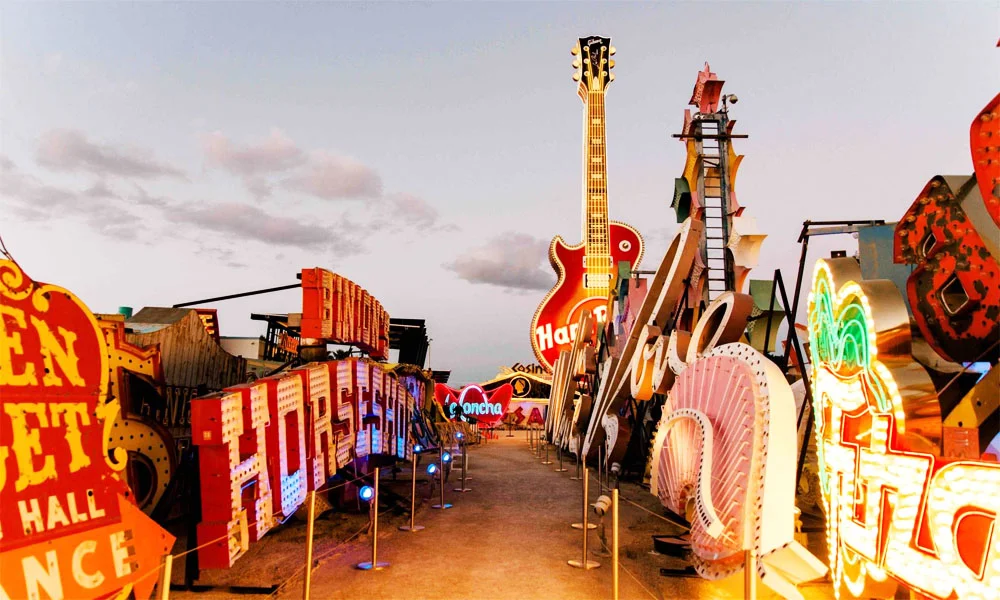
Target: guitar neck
[{"x": 595, "y": 201}]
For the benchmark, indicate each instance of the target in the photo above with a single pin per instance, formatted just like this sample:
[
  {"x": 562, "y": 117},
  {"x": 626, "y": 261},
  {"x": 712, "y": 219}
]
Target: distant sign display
[
  {"x": 70, "y": 528},
  {"x": 340, "y": 311}
]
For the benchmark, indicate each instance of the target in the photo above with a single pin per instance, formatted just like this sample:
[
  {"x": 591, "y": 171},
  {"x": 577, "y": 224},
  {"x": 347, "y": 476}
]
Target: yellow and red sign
[
  {"x": 68, "y": 525},
  {"x": 897, "y": 510}
]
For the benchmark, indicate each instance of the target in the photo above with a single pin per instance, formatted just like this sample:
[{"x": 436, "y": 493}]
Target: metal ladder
[{"x": 714, "y": 193}]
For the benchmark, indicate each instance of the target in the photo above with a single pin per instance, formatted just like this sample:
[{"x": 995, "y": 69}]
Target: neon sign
[
  {"x": 896, "y": 511},
  {"x": 263, "y": 445},
  {"x": 488, "y": 407},
  {"x": 339, "y": 311},
  {"x": 70, "y": 526}
]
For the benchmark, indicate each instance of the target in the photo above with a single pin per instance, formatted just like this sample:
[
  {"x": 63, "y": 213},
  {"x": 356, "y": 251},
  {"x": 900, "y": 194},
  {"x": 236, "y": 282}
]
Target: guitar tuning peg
[
  {"x": 612, "y": 50},
  {"x": 576, "y": 77},
  {"x": 576, "y": 64},
  {"x": 611, "y": 77},
  {"x": 611, "y": 64},
  {"x": 574, "y": 50}
]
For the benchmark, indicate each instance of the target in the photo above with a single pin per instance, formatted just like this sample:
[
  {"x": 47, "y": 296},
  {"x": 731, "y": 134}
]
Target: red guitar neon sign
[{"x": 586, "y": 270}]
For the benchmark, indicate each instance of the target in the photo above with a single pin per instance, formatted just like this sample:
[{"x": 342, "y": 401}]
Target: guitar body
[{"x": 553, "y": 327}]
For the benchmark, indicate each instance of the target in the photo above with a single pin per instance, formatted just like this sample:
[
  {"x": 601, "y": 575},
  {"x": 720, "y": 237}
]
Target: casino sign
[{"x": 70, "y": 527}]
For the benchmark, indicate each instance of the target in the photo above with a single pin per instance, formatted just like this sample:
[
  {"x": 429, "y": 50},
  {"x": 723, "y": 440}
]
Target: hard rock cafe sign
[{"x": 69, "y": 527}]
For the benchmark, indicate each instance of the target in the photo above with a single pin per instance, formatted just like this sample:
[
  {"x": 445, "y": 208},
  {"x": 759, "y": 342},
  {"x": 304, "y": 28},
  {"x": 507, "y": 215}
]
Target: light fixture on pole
[
  {"x": 413, "y": 491},
  {"x": 444, "y": 458},
  {"x": 370, "y": 494}
]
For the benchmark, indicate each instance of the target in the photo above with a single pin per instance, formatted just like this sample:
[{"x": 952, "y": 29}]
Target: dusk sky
[{"x": 156, "y": 153}]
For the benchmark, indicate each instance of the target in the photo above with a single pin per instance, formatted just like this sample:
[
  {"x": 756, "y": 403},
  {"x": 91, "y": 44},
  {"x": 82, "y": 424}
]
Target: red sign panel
[
  {"x": 69, "y": 526},
  {"x": 474, "y": 402},
  {"x": 262, "y": 445},
  {"x": 339, "y": 311}
]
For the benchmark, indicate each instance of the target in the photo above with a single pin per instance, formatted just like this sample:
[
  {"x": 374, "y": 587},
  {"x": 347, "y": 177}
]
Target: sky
[{"x": 155, "y": 153}]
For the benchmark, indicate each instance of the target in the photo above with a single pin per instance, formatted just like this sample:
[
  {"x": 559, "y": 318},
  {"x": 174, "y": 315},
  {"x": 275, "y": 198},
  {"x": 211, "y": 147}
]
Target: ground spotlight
[
  {"x": 432, "y": 468},
  {"x": 446, "y": 457},
  {"x": 418, "y": 448},
  {"x": 459, "y": 435},
  {"x": 366, "y": 493}
]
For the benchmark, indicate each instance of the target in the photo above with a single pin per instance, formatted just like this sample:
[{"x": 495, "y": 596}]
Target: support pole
[
  {"x": 585, "y": 564},
  {"x": 546, "y": 461},
  {"x": 442, "y": 504},
  {"x": 614, "y": 544},
  {"x": 749, "y": 575},
  {"x": 310, "y": 529},
  {"x": 561, "y": 468},
  {"x": 374, "y": 565},
  {"x": 465, "y": 467},
  {"x": 168, "y": 568},
  {"x": 413, "y": 497}
]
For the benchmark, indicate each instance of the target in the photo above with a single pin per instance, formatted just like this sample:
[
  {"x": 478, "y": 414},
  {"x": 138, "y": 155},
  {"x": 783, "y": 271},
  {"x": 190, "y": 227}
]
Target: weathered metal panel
[{"x": 190, "y": 358}]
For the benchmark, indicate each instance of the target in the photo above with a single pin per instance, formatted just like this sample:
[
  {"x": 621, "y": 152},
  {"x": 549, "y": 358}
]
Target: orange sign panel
[{"x": 340, "y": 311}]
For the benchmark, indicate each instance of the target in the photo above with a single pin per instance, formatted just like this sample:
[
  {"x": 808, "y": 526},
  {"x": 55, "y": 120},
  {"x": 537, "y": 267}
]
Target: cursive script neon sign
[{"x": 896, "y": 511}]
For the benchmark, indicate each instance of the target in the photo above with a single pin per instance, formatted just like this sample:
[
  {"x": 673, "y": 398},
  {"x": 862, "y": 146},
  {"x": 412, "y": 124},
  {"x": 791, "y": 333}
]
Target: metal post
[
  {"x": 442, "y": 504},
  {"x": 374, "y": 565},
  {"x": 614, "y": 544},
  {"x": 576, "y": 477},
  {"x": 168, "y": 567},
  {"x": 465, "y": 467},
  {"x": 585, "y": 564},
  {"x": 600, "y": 470},
  {"x": 561, "y": 468},
  {"x": 546, "y": 461},
  {"x": 310, "y": 529},
  {"x": 749, "y": 575},
  {"x": 413, "y": 497}
]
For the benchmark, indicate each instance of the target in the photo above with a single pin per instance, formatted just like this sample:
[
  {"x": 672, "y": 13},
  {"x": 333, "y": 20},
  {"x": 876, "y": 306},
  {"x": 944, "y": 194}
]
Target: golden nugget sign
[
  {"x": 68, "y": 526},
  {"x": 896, "y": 511}
]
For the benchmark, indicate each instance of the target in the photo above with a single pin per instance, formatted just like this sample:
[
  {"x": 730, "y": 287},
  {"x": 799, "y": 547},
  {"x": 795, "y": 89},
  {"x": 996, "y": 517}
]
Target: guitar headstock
[{"x": 593, "y": 63}]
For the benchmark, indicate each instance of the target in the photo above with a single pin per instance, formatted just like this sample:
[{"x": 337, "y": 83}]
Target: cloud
[
  {"x": 245, "y": 222},
  {"x": 33, "y": 200},
  {"x": 333, "y": 177},
  {"x": 515, "y": 261},
  {"x": 414, "y": 210},
  {"x": 70, "y": 150},
  {"x": 275, "y": 153}
]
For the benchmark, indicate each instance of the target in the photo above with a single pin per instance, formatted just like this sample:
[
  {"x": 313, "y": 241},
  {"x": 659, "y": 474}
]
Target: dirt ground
[{"x": 510, "y": 537}]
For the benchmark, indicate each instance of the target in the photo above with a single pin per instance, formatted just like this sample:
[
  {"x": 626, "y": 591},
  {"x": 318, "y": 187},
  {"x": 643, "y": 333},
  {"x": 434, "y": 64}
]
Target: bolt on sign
[
  {"x": 68, "y": 525},
  {"x": 339, "y": 311},
  {"x": 263, "y": 445},
  {"x": 897, "y": 511}
]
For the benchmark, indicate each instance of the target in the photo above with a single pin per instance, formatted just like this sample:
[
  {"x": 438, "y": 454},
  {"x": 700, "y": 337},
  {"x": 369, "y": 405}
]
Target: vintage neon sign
[
  {"x": 724, "y": 453},
  {"x": 339, "y": 311},
  {"x": 263, "y": 445},
  {"x": 586, "y": 270},
  {"x": 488, "y": 407},
  {"x": 70, "y": 528},
  {"x": 896, "y": 511}
]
